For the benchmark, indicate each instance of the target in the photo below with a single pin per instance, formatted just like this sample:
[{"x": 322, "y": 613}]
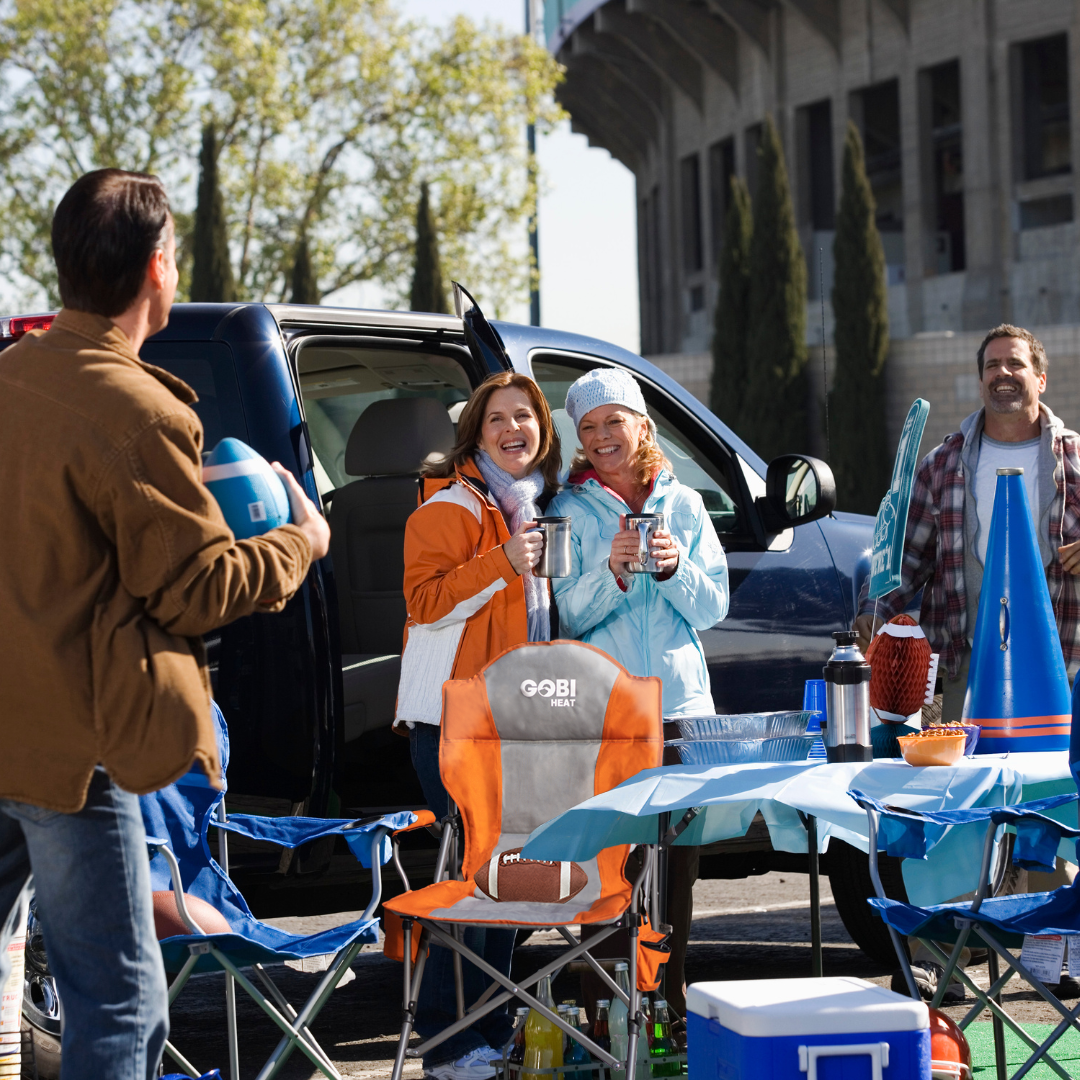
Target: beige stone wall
[{"x": 939, "y": 367}]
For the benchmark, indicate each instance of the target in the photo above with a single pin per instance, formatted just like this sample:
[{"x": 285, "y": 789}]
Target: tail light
[{"x": 17, "y": 325}]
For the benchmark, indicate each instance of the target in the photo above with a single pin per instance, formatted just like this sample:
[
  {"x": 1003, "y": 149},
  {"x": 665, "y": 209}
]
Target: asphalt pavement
[{"x": 752, "y": 928}]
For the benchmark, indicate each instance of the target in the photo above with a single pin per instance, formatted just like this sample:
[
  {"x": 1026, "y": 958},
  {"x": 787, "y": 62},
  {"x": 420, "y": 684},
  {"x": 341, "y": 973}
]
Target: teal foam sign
[{"x": 891, "y": 523}]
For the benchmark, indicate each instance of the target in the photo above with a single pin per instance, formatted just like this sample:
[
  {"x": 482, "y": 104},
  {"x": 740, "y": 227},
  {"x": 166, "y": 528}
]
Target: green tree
[
  {"x": 335, "y": 109},
  {"x": 428, "y": 292},
  {"x": 211, "y": 270},
  {"x": 328, "y": 113},
  {"x": 84, "y": 84},
  {"x": 860, "y": 453},
  {"x": 305, "y": 287},
  {"x": 774, "y": 413},
  {"x": 729, "y": 337}
]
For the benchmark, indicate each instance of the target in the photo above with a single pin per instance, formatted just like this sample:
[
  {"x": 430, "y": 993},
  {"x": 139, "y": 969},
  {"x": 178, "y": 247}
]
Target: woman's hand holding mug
[
  {"x": 665, "y": 552},
  {"x": 525, "y": 547}
]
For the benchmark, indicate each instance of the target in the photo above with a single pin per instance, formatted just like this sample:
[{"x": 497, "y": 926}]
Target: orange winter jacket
[{"x": 466, "y": 604}]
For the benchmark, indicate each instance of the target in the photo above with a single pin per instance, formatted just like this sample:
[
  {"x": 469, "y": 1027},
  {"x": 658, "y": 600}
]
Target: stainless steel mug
[
  {"x": 555, "y": 557},
  {"x": 645, "y": 525},
  {"x": 847, "y": 702}
]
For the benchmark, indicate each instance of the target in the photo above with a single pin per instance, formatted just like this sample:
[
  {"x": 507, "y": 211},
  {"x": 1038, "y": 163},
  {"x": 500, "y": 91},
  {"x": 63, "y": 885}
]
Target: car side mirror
[{"x": 798, "y": 489}]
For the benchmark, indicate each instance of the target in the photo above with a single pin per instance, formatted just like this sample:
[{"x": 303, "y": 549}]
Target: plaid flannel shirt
[{"x": 934, "y": 548}]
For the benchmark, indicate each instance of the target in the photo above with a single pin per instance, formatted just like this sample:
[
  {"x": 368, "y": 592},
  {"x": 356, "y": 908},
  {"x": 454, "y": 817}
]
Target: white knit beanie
[{"x": 603, "y": 386}]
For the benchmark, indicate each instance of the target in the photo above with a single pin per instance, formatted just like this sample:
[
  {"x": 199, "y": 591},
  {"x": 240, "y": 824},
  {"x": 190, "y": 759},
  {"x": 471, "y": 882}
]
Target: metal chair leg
[
  {"x": 999, "y": 1027},
  {"x": 412, "y": 993},
  {"x": 230, "y": 1023}
]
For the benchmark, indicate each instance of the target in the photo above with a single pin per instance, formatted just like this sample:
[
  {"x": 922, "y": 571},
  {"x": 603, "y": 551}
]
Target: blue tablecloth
[{"x": 731, "y": 795}]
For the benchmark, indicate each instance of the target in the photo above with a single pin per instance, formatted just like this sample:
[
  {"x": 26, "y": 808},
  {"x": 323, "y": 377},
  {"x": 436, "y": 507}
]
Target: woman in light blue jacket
[{"x": 649, "y": 624}]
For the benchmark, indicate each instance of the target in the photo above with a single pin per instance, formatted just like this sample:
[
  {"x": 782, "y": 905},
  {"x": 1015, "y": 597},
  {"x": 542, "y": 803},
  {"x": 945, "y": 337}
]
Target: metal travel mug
[
  {"x": 646, "y": 525},
  {"x": 847, "y": 702},
  {"x": 555, "y": 558}
]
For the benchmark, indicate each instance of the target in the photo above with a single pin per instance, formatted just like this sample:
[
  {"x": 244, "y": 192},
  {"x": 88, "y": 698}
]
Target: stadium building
[{"x": 969, "y": 118}]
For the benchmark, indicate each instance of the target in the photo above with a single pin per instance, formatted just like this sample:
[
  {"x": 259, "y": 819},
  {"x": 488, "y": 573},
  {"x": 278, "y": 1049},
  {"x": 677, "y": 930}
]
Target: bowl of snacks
[
  {"x": 933, "y": 746},
  {"x": 954, "y": 727}
]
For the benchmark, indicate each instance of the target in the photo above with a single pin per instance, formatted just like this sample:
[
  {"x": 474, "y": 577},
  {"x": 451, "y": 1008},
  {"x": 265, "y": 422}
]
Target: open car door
[{"x": 482, "y": 338}]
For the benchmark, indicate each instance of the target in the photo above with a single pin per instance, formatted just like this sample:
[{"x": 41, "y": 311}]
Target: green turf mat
[{"x": 980, "y": 1035}]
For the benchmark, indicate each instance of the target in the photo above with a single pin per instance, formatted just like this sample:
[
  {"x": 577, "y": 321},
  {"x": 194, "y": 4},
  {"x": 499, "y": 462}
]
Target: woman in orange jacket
[{"x": 471, "y": 594}]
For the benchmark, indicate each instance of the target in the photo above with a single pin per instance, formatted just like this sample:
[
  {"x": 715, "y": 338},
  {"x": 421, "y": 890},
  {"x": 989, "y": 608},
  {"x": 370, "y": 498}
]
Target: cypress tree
[
  {"x": 428, "y": 293},
  {"x": 305, "y": 286},
  {"x": 774, "y": 411},
  {"x": 860, "y": 453},
  {"x": 729, "y": 337},
  {"x": 211, "y": 271}
]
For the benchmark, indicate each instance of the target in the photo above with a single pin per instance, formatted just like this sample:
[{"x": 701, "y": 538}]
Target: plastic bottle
[
  {"x": 517, "y": 1051},
  {"x": 663, "y": 1044},
  {"x": 600, "y": 1032},
  {"x": 543, "y": 1038},
  {"x": 573, "y": 1052},
  {"x": 618, "y": 1015}
]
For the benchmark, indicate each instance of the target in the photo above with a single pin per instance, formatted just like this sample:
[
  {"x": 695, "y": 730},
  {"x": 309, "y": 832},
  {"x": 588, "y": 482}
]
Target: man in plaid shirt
[{"x": 949, "y": 524}]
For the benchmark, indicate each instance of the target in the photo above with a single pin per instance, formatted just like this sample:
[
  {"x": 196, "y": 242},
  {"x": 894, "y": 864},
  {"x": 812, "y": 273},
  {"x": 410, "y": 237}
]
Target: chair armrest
[
  {"x": 424, "y": 818},
  {"x": 157, "y": 846},
  {"x": 292, "y": 832}
]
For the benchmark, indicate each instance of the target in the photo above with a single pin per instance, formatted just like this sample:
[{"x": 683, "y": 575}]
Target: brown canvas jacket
[{"x": 114, "y": 560}]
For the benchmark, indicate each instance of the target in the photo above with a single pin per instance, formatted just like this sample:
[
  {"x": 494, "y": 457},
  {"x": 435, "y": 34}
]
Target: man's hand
[
  {"x": 305, "y": 514},
  {"x": 1070, "y": 557},
  {"x": 866, "y": 626}
]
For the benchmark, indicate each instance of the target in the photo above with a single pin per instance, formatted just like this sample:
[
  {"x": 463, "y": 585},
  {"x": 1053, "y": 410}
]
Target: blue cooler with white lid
[{"x": 805, "y": 1029}]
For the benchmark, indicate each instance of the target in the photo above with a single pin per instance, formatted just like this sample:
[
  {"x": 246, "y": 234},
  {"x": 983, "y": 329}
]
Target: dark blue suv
[{"x": 309, "y": 694}]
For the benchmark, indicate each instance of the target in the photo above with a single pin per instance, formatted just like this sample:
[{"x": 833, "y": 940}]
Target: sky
[{"x": 588, "y": 223}]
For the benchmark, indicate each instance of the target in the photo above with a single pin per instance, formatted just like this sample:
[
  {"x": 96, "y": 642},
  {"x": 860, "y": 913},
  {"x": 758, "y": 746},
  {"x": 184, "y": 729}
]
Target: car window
[
  {"x": 691, "y": 466},
  {"x": 338, "y": 383},
  {"x": 207, "y": 367}
]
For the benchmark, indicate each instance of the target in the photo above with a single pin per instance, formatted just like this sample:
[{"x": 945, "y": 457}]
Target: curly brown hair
[
  {"x": 1007, "y": 330},
  {"x": 648, "y": 461},
  {"x": 471, "y": 421}
]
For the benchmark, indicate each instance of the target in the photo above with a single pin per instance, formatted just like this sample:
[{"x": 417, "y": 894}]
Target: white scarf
[{"x": 517, "y": 500}]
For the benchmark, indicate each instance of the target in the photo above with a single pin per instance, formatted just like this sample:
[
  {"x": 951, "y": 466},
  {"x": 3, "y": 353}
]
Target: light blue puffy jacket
[{"x": 651, "y": 628}]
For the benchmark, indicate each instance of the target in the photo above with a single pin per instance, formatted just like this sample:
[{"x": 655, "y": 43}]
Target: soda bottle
[
  {"x": 663, "y": 1044},
  {"x": 517, "y": 1051},
  {"x": 574, "y": 1053},
  {"x": 601, "y": 1034},
  {"x": 618, "y": 1015},
  {"x": 543, "y": 1037}
]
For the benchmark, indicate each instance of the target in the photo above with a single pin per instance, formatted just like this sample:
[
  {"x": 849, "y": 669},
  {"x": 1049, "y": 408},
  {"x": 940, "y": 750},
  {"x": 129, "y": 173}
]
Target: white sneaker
[
  {"x": 491, "y": 1055},
  {"x": 473, "y": 1066}
]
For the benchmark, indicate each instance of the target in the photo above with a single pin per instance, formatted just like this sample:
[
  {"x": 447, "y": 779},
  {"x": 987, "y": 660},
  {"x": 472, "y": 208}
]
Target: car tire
[
  {"x": 849, "y": 878},
  {"x": 40, "y": 1007},
  {"x": 40, "y": 1053}
]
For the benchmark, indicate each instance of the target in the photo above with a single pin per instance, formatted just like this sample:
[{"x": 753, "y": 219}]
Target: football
[
  {"x": 249, "y": 492},
  {"x": 510, "y": 877},
  {"x": 167, "y": 921},
  {"x": 899, "y": 658}
]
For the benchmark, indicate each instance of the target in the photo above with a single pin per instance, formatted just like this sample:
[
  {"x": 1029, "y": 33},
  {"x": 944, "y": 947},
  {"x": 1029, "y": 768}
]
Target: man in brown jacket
[{"x": 114, "y": 561}]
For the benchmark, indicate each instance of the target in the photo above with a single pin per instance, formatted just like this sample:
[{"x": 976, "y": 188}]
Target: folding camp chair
[
  {"x": 997, "y": 922},
  {"x": 541, "y": 728},
  {"x": 177, "y": 821}
]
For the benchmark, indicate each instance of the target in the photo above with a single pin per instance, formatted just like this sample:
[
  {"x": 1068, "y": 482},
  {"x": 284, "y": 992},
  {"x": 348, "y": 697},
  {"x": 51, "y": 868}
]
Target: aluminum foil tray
[
  {"x": 743, "y": 751},
  {"x": 768, "y": 725}
]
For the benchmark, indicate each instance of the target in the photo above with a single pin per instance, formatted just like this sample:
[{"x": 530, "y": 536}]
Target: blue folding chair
[
  {"x": 997, "y": 922},
  {"x": 177, "y": 820}
]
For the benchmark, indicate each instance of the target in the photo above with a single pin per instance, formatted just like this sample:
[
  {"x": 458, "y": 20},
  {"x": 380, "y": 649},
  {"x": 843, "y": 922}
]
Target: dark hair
[
  {"x": 1038, "y": 353},
  {"x": 471, "y": 422},
  {"x": 103, "y": 233}
]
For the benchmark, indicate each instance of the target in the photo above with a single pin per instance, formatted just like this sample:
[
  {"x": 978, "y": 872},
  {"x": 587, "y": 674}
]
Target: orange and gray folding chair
[{"x": 541, "y": 728}]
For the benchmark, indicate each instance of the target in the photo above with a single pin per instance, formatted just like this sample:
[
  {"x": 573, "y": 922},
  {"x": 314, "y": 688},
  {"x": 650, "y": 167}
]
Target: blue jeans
[
  {"x": 92, "y": 882},
  {"x": 436, "y": 1009}
]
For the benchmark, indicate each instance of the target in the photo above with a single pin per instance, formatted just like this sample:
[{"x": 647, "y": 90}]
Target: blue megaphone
[{"x": 1018, "y": 690}]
